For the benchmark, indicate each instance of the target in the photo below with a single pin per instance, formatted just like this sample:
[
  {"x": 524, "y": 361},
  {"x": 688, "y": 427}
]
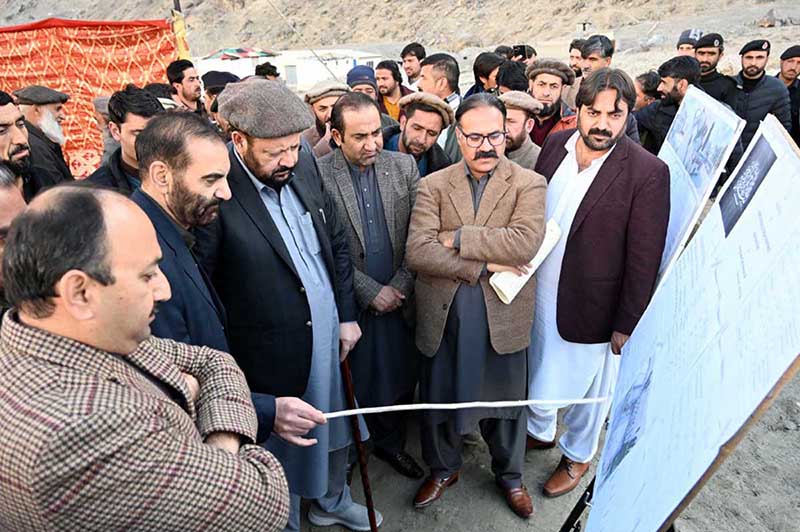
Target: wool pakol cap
[
  {"x": 552, "y": 67},
  {"x": 448, "y": 116},
  {"x": 689, "y": 37},
  {"x": 324, "y": 89},
  {"x": 759, "y": 45},
  {"x": 39, "y": 95},
  {"x": 264, "y": 109},
  {"x": 791, "y": 52},
  {"x": 710, "y": 40},
  {"x": 522, "y": 100}
]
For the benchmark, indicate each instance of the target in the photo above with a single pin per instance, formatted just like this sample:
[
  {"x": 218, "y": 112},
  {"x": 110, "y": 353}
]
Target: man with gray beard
[{"x": 43, "y": 109}]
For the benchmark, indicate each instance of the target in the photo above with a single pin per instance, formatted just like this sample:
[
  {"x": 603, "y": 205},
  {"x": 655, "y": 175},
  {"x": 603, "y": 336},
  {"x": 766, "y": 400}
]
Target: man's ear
[
  {"x": 77, "y": 292},
  {"x": 403, "y": 122},
  {"x": 337, "y": 137},
  {"x": 115, "y": 131}
]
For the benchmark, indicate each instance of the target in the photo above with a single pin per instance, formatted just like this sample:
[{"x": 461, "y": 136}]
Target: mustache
[
  {"x": 600, "y": 132},
  {"x": 490, "y": 154},
  {"x": 19, "y": 148}
]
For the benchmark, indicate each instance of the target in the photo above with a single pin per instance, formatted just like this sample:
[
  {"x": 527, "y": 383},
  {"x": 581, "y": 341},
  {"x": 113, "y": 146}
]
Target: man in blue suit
[{"x": 183, "y": 164}]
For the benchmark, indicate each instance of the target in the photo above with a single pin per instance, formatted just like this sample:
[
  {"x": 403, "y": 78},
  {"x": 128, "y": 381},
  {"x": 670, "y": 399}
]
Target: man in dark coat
[
  {"x": 654, "y": 121},
  {"x": 708, "y": 51},
  {"x": 611, "y": 199},
  {"x": 278, "y": 258},
  {"x": 424, "y": 118},
  {"x": 11, "y": 204},
  {"x": 790, "y": 76},
  {"x": 759, "y": 94},
  {"x": 44, "y": 113},
  {"x": 129, "y": 111},
  {"x": 373, "y": 190}
]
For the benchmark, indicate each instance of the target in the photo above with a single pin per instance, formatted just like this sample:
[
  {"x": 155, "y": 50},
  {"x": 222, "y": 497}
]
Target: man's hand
[
  {"x": 349, "y": 334},
  {"x": 227, "y": 441},
  {"x": 448, "y": 239},
  {"x": 294, "y": 418},
  {"x": 516, "y": 270},
  {"x": 193, "y": 385},
  {"x": 617, "y": 341},
  {"x": 388, "y": 300}
]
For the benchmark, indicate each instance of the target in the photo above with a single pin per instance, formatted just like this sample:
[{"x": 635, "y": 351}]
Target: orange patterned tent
[{"x": 85, "y": 59}]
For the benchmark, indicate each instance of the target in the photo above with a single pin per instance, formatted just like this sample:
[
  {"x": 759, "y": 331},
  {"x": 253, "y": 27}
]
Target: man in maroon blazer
[{"x": 610, "y": 198}]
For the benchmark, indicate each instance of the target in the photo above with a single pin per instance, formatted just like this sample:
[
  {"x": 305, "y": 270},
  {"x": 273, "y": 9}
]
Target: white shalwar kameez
[{"x": 561, "y": 369}]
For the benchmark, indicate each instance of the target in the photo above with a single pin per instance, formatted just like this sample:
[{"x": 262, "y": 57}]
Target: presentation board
[
  {"x": 702, "y": 137},
  {"x": 722, "y": 330}
]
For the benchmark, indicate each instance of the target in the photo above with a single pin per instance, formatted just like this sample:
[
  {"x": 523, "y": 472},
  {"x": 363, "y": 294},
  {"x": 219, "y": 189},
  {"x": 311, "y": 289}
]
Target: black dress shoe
[{"x": 402, "y": 462}]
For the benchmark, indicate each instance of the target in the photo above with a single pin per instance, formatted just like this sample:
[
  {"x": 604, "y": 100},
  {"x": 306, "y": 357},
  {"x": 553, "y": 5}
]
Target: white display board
[
  {"x": 702, "y": 137},
  {"x": 722, "y": 330}
]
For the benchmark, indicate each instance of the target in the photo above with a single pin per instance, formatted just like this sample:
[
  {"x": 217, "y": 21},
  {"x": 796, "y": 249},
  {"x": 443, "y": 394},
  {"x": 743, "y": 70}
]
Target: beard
[
  {"x": 673, "y": 97},
  {"x": 513, "y": 143},
  {"x": 706, "y": 68},
  {"x": 548, "y": 109},
  {"x": 753, "y": 71},
  {"x": 191, "y": 209},
  {"x": 52, "y": 129},
  {"x": 274, "y": 179},
  {"x": 578, "y": 71},
  {"x": 607, "y": 138},
  {"x": 19, "y": 167},
  {"x": 321, "y": 126},
  {"x": 416, "y": 149}
]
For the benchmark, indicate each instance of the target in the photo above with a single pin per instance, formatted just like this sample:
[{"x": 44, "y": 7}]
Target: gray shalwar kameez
[{"x": 316, "y": 472}]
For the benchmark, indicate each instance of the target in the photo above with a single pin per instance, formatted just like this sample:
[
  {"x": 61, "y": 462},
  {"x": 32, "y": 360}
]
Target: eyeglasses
[{"x": 475, "y": 140}]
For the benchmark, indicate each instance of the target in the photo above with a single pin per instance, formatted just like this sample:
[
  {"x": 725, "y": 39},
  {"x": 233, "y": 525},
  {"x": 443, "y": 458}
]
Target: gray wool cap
[
  {"x": 39, "y": 95},
  {"x": 264, "y": 109}
]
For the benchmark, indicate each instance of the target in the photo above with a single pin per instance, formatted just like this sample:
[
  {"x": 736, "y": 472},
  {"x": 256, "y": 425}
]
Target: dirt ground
[{"x": 756, "y": 490}]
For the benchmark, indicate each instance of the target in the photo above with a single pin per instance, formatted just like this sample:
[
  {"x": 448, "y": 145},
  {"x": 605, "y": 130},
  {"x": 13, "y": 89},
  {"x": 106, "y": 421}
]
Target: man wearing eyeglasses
[{"x": 476, "y": 217}]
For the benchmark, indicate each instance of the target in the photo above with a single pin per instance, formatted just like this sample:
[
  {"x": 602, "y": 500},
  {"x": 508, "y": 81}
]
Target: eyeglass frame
[{"x": 483, "y": 137}]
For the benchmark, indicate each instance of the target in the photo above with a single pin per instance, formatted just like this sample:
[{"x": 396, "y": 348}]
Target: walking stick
[{"x": 362, "y": 455}]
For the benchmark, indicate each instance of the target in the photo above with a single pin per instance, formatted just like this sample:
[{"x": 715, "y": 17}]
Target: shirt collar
[{"x": 487, "y": 176}]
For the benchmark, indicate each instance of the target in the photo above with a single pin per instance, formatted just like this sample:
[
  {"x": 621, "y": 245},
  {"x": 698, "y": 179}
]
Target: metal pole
[{"x": 177, "y": 5}]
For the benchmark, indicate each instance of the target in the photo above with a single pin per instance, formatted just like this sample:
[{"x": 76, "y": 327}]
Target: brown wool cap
[
  {"x": 448, "y": 116},
  {"x": 324, "y": 89},
  {"x": 522, "y": 100},
  {"x": 264, "y": 109},
  {"x": 553, "y": 67}
]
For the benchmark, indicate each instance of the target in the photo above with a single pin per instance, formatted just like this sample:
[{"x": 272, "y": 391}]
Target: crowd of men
[{"x": 174, "y": 325}]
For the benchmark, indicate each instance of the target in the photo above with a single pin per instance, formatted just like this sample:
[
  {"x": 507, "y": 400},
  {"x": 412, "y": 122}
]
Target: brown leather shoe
[
  {"x": 532, "y": 444},
  {"x": 432, "y": 489},
  {"x": 519, "y": 501},
  {"x": 565, "y": 478}
]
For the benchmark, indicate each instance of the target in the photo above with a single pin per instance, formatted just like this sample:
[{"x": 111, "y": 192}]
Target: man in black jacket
[
  {"x": 759, "y": 94},
  {"x": 677, "y": 75},
  {"x": 423, "y": 117},
  {"x": 278, "y": 258},
  {"x": 708, "y": 51},
  {"x": 790, "y": 76},
  {"x": 129, "y": 111},
  {"x": 11, "y": 204},
  {"x": 44, "y": 112}
]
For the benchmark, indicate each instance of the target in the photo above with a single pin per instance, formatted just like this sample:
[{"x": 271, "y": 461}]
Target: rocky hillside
[{"x": 455, "y": 25}]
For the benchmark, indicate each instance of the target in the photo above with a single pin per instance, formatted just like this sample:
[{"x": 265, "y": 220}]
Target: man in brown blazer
[
  {"x": 611, "y": 199},
  {"x": 373, "y": 190},
  {"x": 105, "y": 427},
  {"x": 476, "y": 217}
]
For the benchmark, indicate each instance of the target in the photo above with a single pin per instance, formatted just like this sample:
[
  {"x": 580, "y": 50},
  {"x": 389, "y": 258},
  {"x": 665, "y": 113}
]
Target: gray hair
[{"x": 7, "y": 177}]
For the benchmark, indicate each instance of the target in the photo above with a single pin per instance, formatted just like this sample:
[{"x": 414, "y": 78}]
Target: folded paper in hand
[{"x": 507, "y": 285}]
